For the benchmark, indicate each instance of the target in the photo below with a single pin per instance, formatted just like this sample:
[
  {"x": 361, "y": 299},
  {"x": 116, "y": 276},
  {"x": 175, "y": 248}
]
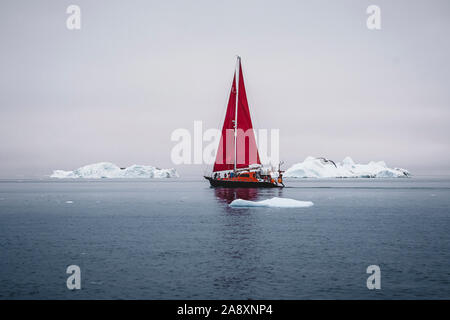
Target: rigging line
[
  {"x": 254, "y": 119},
  {"x": 238, "y": 62},
  {"x": 253, "y": 116},
  {"x": 220, "y": 118}
]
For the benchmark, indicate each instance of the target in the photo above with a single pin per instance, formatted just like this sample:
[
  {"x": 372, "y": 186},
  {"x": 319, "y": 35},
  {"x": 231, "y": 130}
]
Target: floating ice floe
[
  {"x": 275, "y": 202},
  {"x": 110, "y": 170},
  {"x": 323, "y": 168}
]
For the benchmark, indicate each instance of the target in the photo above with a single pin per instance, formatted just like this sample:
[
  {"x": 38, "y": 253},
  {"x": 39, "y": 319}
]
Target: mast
[
  {"x": 237, "y": 117},
  {"x": 238, "y": 64}
]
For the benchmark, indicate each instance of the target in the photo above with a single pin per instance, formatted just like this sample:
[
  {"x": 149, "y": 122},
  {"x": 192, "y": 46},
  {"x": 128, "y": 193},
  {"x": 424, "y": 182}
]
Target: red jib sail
[{"x": 244, "y": 143}]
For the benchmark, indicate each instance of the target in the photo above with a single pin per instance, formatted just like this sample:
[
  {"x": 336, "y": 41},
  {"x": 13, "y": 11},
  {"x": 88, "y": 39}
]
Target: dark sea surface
[{"x": 179, "y": 239}]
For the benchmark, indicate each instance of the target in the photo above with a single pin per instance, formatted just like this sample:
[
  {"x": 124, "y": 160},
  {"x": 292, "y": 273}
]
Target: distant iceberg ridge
[
  {"x": 313, "y": 167},
  {"x": 110, "y": 170}
]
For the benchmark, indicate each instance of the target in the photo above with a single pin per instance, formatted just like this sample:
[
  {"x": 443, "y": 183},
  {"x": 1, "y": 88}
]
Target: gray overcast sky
[{"x": 137, "y": 70}]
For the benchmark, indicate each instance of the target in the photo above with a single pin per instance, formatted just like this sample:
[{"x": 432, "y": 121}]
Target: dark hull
[{"x": 240, "y": 184}]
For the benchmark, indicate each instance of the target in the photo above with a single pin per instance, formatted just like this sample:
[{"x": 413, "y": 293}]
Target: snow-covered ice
[
  {"x": 322, "y": 168},
  {"x": 110, "y": 170},
  {"x": 275, "y": 202}
]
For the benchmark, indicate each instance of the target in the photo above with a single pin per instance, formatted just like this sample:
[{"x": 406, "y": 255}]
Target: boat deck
[{"x": 236, "y": 182}]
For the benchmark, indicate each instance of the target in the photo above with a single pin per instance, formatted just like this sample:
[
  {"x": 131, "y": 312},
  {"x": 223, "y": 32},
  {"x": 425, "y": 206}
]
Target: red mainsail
[{"x": 244, "y": 142}]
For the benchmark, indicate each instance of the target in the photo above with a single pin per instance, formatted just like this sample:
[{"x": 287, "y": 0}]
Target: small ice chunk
[
  {"x": 69, "y": 201},
  {"x": 275, "y": 202}
]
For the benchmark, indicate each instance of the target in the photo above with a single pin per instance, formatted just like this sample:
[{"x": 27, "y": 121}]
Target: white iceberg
[
  {"x": 323, "y": 168},
  {"x": 110, "y": 170},
  {"x": 275, "y": 202}
]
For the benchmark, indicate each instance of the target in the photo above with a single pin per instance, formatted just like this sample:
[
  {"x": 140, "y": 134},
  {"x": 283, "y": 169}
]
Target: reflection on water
[
  {"x": 227, "y": 195},
  {"x": 240, "y": 239}
]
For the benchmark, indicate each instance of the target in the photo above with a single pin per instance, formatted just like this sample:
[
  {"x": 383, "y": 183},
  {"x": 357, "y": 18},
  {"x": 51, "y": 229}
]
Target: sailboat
[{"x": 237, "y": 163}]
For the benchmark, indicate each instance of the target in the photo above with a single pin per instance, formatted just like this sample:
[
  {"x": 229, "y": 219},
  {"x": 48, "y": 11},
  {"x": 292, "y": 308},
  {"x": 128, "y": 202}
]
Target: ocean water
[{"x": 179, "y": 239}]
